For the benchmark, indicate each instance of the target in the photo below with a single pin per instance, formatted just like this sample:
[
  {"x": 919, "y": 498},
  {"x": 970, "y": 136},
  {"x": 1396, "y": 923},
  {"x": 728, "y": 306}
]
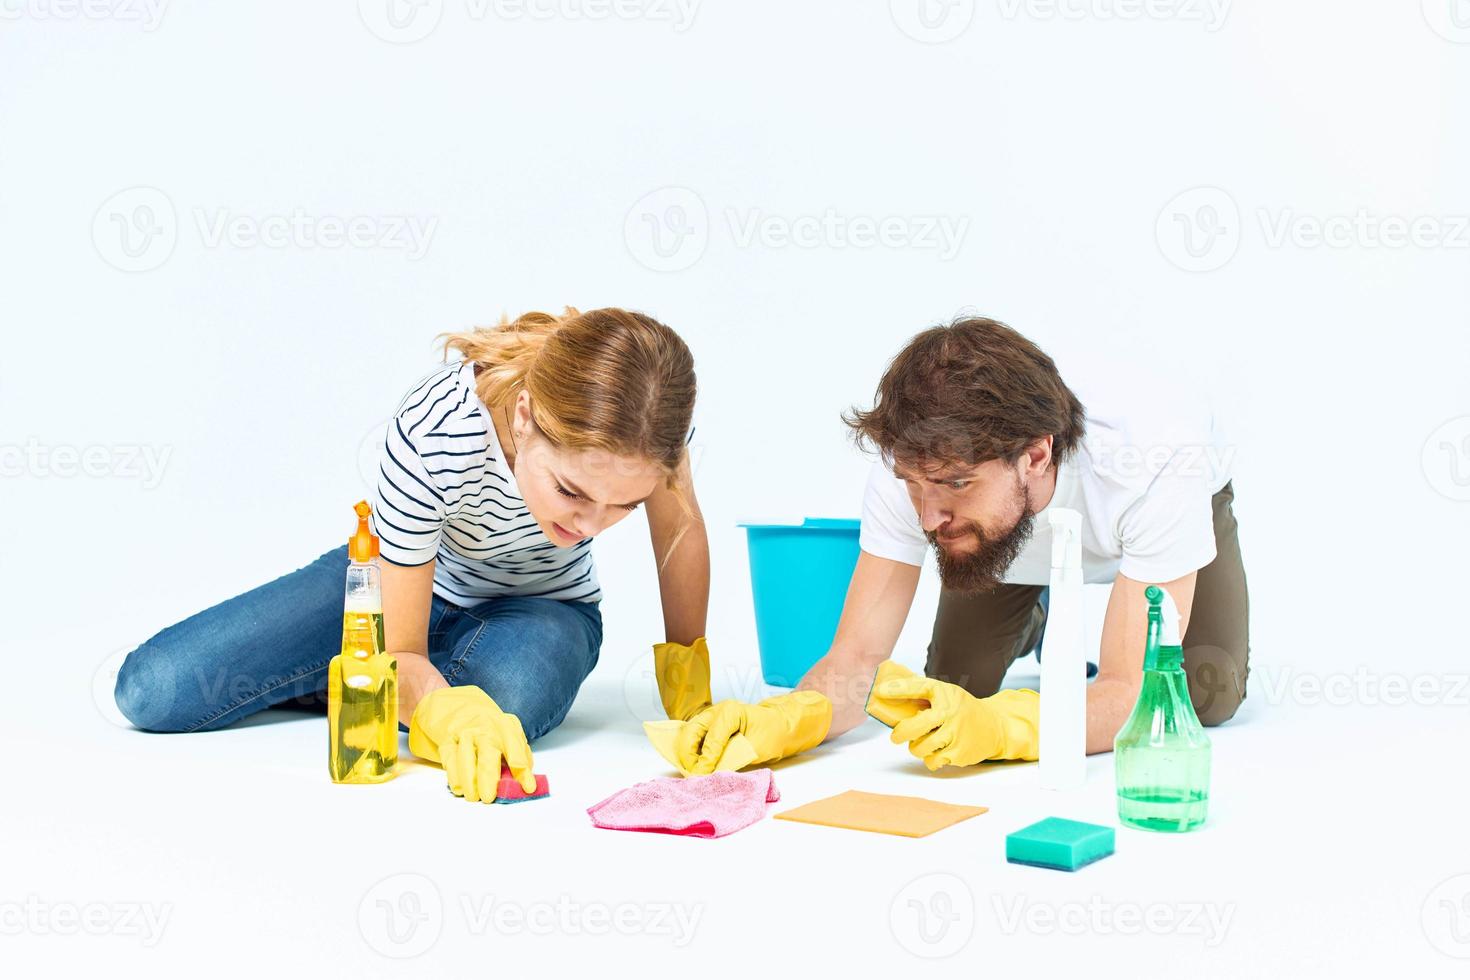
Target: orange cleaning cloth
[{"x": 904, "y": 816}]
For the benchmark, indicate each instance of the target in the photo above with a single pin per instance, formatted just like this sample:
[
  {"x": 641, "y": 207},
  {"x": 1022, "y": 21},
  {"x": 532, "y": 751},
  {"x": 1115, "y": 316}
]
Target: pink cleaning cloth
[{"x": 694, "y": 806}]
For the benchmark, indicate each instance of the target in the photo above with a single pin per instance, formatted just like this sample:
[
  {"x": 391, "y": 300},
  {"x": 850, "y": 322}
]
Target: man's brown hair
[{"x": 967, "y": 392}]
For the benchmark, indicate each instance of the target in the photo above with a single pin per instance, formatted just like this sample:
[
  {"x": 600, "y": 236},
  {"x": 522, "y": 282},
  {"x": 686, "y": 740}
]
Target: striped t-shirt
[{"x": 444, "y": 492}]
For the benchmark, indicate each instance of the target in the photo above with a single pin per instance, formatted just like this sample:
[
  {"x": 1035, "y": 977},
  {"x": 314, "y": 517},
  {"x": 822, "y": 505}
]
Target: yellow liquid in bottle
[{"x": 362, "y": 703}]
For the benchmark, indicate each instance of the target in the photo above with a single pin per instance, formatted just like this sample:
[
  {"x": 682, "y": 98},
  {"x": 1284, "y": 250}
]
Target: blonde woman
[{"x": 497, "y": 471}]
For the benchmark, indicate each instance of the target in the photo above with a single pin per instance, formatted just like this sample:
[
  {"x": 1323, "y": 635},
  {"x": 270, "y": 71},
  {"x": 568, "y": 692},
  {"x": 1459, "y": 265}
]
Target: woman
[{"x": 497, "y": 471}]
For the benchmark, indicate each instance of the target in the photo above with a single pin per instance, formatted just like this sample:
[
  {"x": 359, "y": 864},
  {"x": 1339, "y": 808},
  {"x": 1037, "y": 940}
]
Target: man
[{"x": 978, "y": 435}]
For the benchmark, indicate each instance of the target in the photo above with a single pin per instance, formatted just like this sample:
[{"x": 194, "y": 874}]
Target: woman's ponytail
[{"x": 505, "y": 352}]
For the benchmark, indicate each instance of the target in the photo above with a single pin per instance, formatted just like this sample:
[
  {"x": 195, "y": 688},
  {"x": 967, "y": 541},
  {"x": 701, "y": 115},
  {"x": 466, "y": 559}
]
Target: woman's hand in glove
[{"x": 464, "y": 730}]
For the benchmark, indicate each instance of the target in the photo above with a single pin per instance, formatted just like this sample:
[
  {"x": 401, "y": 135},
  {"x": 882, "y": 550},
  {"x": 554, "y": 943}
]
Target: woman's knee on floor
[
  {"x": 152, "y": 689},
  {"x": 259, "y": 648},
  {"x": 1217, "y": 679},
  {"x": 179, "y": 681}
]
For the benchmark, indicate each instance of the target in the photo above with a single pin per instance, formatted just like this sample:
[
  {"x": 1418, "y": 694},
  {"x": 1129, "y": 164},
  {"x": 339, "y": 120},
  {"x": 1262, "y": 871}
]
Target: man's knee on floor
[
  {"x": 1218, "y": 711},
  {"x": 1216, "y": 683}
]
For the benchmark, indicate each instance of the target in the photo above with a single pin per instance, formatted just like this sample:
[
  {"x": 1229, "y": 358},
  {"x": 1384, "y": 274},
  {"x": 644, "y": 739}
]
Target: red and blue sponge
[{"x": 510, "y": 790}]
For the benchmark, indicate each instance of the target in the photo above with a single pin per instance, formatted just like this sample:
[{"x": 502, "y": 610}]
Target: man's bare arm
[{"x": 878, "y": 601}]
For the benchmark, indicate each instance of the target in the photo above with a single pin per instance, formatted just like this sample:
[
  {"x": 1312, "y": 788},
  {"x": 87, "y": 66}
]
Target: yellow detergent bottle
[{"x": 362, "y": 681}]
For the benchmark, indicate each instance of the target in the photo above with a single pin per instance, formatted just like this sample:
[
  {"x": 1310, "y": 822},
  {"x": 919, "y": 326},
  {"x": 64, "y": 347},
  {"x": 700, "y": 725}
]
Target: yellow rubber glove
[
  {"x": 682, "y": 673},
  {"x": 891, "y": 712},
  {"x": 464, "y": 730},
  {"x": 665, "y": 738},
  {"x": 773, "y": 729},
  {"x": 945, "y": 725}
]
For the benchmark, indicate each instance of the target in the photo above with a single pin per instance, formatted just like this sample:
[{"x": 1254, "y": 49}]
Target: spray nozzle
[
  {"x": 1161, "y": 609},
  {"x": 363, "y": 545},
  {"x": 1066, "y": 537}
]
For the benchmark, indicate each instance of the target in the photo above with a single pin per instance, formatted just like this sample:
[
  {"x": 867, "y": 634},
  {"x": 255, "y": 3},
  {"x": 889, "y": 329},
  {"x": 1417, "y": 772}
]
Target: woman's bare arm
[
  {"x": 408, "y": 592},
  {"x": 683, "y": 573}
]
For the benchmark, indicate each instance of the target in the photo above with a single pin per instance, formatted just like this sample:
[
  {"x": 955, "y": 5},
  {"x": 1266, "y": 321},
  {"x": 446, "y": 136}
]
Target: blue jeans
[{"x": 272, "y": 645}]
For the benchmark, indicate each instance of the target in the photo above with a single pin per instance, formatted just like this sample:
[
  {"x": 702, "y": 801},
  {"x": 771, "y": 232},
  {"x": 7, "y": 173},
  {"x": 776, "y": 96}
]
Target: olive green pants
[{"x": 977, "y": 637}]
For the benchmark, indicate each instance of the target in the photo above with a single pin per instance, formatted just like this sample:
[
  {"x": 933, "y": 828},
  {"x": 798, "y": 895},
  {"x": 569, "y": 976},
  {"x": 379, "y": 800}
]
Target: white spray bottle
[{"x": 1064, "y": 660}]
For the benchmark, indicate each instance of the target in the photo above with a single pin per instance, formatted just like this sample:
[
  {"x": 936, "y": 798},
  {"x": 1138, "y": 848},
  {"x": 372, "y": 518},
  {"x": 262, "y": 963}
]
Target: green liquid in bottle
[{"x": 1170, "y": 812}]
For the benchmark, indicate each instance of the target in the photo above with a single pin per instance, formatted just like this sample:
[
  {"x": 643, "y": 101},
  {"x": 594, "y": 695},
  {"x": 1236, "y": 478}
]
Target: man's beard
[{"x": 982, "y": 569}]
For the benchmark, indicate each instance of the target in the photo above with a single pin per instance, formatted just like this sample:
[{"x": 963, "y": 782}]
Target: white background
[{"x": 1077, "y": 147}]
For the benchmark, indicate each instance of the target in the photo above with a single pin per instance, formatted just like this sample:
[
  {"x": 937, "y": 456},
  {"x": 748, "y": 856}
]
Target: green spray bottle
[{"x": 1162, "y": 755}]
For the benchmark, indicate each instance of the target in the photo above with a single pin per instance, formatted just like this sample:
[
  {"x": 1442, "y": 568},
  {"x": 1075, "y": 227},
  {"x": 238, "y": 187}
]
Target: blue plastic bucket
[{"x": 799, "y": 575}]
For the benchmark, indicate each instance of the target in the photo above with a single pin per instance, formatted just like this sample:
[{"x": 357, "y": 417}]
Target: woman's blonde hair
[{"x": 607, "y": 379}]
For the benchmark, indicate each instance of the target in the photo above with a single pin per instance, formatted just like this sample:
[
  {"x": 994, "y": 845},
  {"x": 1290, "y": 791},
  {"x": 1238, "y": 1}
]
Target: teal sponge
[{"x": 1065, "y": 845}]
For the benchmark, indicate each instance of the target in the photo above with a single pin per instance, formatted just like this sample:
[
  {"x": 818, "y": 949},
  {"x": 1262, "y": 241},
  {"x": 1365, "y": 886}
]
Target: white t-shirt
[{"x": 1142, "y": 477}]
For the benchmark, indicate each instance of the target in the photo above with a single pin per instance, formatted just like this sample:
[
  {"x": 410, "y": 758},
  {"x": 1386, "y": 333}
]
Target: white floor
[
  {"x": 1333, "y": 848},
  {"x": 191, "y": 403}
]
